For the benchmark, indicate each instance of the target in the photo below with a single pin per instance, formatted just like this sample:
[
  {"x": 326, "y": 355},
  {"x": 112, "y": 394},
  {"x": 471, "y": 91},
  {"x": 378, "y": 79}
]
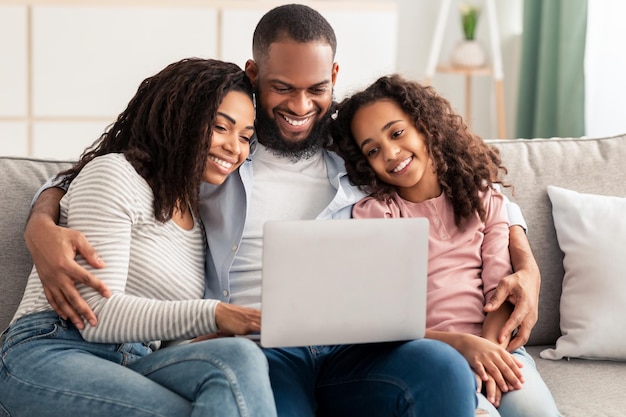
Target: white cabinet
[
  {"x": 366, "y": 46},
  {"x": 88, "y": 62},
  {"x": 67, "y": 68},
  {"x": 366, "y": 39},
  {"x": 13, "y": 138},
  {"x": 13, "y": 80}
]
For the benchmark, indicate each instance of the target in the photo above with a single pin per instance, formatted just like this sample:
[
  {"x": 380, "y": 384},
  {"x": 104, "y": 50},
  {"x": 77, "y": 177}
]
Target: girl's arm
[
  {"x": 492, "y": 327},
  {"x": 493, "y": 324}
]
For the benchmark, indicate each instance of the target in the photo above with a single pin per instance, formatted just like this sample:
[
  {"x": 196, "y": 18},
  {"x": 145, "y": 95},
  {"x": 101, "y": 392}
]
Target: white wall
[
  {"x": 605, "y": 68},
  {"x": 605, "y": 62},
  {"x": 13, "y": 81},
  {"x": 356, "y": 39},
  {"x": 605, "y": 83},
  {"x": 68, "y": 67},
  {"x": 416, "y": 25}
]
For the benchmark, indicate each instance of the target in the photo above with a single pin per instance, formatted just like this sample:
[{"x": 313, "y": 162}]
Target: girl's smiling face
[{"x": 395, "y": 149}]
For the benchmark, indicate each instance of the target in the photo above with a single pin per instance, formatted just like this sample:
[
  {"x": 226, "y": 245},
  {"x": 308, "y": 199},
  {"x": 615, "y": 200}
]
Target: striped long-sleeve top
[{"x": 155, "y": 270}]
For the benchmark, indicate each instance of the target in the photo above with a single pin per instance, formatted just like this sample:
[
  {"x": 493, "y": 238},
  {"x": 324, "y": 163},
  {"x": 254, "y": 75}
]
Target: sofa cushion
[
  {"x": 591, "y": 230},
  {"x": 19, "y": 180},
  {"x": 584, "y": 388},
  {"x": 588, "y": 165}
]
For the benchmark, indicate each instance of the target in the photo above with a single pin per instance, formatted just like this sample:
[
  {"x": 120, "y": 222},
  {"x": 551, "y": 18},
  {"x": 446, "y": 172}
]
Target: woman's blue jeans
[
  {"x": 416, "y": 378},
  {"x": 48, "y": 369}
]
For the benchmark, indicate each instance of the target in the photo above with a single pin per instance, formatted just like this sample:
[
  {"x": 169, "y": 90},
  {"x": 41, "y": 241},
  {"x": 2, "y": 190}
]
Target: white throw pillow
[{"x": 591, "y": 230}]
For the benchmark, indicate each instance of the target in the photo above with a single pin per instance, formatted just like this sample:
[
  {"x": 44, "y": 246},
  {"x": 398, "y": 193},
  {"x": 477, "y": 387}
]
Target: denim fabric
[
  {"x": 534, "y": 399},
  {"x": 48, "y": 369},
  {"x": 417, "y": 378}
]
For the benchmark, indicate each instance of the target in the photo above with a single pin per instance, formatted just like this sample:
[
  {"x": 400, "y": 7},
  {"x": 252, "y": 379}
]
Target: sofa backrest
[
  {"x": 585, "y": 165},
  {"x": 20, "y": 178},
  {"x": 595, "y": 165}
]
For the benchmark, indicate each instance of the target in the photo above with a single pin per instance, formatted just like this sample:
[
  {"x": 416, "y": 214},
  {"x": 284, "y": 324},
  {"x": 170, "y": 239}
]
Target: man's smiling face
[{"x": 294, "y": 83}]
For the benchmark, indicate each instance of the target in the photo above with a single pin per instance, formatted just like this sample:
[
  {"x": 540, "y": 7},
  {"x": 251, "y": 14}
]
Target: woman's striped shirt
[{"x": 155, "y": 271}]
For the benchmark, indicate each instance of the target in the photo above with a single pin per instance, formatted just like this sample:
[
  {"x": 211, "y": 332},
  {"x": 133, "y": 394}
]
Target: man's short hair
[{"x": 291, "y": 21}]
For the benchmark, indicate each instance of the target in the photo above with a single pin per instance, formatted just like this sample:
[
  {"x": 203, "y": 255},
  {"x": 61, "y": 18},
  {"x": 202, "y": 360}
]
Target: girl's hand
[
  {"x": 491, "y": 363},
  {"x": 490, "y": 389}
]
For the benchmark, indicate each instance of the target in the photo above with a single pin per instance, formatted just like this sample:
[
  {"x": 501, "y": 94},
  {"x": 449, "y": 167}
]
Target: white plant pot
[{"x": 468, "y": 53}]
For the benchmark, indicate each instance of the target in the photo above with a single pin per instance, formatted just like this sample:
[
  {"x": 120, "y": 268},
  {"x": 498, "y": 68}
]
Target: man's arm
[
  {"x": 53, "y": 249},
  {"x": 521, "y": 289}
]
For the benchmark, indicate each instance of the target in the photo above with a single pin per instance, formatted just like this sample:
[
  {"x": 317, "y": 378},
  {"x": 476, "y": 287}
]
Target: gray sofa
[{"x": 581, "y": 387}]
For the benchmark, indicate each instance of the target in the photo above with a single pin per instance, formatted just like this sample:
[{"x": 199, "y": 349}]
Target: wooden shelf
[
  {"x": 451, "y": 69},
  {"x": 468, "y": 73},
  {"x": 494, "y": 70}
]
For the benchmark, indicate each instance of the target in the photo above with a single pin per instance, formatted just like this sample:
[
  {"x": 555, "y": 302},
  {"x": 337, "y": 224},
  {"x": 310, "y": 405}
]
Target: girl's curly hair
[
  {"x": 165, "y": 131},
  {"x": 464, "y": 163}
]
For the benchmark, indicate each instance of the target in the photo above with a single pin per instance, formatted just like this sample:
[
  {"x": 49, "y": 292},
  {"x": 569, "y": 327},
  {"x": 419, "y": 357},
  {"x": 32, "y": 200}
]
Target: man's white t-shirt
[{"x": 282, "y": 190}]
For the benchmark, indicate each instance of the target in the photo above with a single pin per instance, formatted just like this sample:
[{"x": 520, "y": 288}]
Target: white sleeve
[
  {"x": 51, "y": 183},
  {"x": 514, "y": 212}
]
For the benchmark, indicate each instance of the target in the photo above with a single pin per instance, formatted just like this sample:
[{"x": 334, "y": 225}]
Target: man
[{"x": 292, "y": 176}]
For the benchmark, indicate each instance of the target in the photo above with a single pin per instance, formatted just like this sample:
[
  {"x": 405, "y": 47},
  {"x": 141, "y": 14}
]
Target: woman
[{"x": 135, "y": 197}]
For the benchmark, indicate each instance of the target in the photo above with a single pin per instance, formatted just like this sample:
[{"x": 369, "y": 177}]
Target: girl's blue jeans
[
  {"x": 48, "y": 369},
  {"x": 534, "y": 399}
]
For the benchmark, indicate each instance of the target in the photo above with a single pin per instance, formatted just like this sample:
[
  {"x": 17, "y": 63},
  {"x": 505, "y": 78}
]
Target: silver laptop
[{"x": 329, "y": 282}]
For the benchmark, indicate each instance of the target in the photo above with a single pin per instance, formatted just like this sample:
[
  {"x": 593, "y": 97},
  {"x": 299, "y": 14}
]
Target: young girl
[
  {"x": 135, "y": 197},
  {"x": 404, "y": 145}
]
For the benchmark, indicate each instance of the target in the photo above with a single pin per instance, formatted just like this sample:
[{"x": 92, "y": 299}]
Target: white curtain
[{"x": 605, "y": 68}]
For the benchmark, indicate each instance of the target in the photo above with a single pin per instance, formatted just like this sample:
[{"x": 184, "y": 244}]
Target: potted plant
[
  {"x": 469, "y": 19},
  {"x": 468, "y": 52}
]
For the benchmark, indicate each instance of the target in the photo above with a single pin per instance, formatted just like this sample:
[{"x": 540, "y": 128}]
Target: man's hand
[
  {"x": 53, "y": 250},
  {"x": 521, "y": 289}
]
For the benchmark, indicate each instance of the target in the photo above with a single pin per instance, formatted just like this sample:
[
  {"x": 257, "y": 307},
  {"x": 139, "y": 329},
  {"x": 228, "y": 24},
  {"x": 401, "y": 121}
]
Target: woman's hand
[{"x": 233, "y": 320}]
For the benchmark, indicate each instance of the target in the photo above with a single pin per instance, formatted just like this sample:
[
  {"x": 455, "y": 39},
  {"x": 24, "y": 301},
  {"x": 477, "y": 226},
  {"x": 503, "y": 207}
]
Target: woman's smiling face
[{"x": 230, "y": 139}]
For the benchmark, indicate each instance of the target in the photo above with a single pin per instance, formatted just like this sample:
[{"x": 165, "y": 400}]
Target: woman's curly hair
[
  {"x": 165, "y": 131},
  {"x": 464, "y": 163}
]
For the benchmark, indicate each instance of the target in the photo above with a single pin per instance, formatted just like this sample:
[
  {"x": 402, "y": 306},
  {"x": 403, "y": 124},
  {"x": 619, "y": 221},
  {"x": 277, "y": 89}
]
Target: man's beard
[{"x": 269, "y": 135}]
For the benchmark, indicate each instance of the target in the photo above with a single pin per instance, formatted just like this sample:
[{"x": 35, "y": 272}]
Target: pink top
[{"x": 464, "y": 266}]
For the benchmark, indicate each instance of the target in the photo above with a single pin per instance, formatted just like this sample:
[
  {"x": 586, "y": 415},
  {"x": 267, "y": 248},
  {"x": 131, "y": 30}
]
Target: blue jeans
[
  {"x": 48, "y": 369},
  {"x": 417, "y": 378},
  {"x": 534, "y": 399}
]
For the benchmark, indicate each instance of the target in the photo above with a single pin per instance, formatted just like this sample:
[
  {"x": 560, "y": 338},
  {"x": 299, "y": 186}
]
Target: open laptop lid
[{"x": 347, "y": 281}]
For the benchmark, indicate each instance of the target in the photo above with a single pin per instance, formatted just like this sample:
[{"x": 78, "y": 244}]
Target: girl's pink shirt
[{"x": 464, "y": 266}]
